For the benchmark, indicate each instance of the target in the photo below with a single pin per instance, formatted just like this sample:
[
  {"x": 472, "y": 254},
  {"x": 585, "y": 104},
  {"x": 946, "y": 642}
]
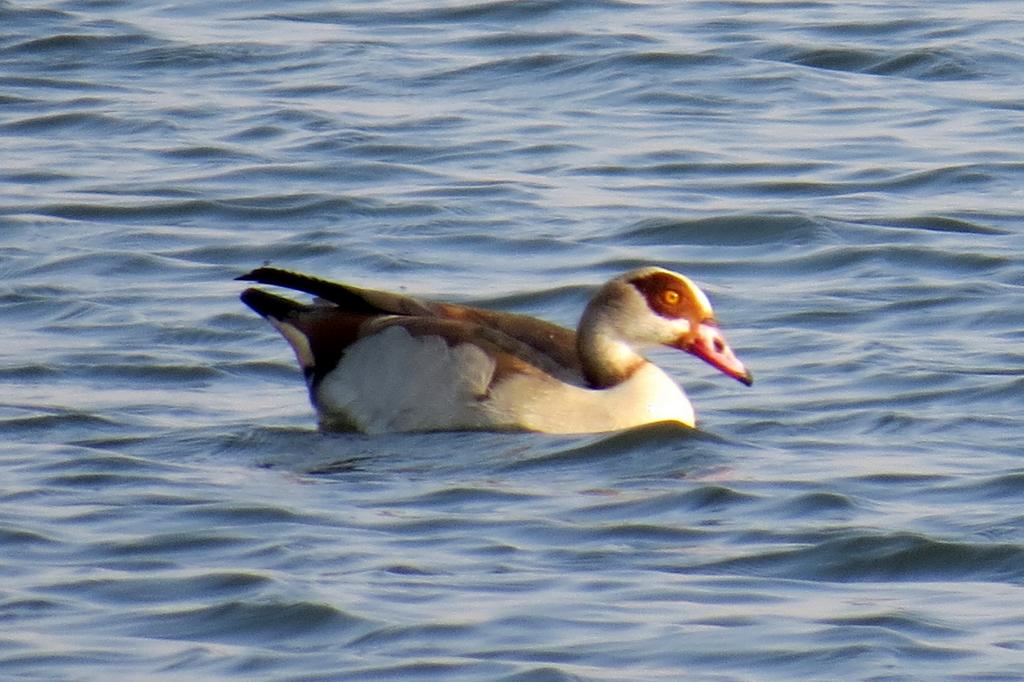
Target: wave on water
[{"x": 843, "y": 179}]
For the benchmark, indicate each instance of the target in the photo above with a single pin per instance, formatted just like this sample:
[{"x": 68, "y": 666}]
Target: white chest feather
[{"x": 648, "y": 396}]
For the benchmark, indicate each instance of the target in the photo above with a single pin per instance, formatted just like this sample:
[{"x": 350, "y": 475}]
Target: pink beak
[{"x": 709, "y": 345}]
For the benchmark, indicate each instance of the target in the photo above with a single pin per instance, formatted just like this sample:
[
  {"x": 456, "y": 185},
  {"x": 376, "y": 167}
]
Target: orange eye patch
[{"x": 670, "y": 296}]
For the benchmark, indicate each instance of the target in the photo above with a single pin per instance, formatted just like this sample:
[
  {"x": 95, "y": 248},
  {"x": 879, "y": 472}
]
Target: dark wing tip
[
  {"x": 264, "y": 273},
  {"x": 351, "y": 299},
  {"x": 266, "y": 304}
]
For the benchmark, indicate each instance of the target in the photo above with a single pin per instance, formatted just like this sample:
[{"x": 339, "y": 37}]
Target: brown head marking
[{"x": 673, "y": 296}]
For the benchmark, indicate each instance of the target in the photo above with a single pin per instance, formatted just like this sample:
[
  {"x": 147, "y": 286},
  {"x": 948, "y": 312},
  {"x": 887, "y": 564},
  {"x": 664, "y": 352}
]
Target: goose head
[{"x": 648, "y": 307}]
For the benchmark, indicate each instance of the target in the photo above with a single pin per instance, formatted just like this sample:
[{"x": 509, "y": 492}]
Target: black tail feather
[
  {"x": 270, "y": 305},
  {"x": 347, "y": 298}
]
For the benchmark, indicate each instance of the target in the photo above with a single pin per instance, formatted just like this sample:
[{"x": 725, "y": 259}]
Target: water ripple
[
  {"x": 842, "y": 179},
  {"x": 898, "y": 557}
]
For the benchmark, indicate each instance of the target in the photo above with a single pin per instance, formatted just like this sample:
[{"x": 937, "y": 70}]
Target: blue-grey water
[{"x": 846, "y": 180}]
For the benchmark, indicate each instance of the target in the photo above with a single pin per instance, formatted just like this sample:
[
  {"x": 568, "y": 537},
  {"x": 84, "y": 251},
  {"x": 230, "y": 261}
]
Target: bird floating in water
[{"x": 381, "y": 362}]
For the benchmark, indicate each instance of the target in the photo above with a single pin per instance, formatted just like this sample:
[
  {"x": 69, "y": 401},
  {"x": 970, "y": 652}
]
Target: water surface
[{"x": 844, "y": 179}]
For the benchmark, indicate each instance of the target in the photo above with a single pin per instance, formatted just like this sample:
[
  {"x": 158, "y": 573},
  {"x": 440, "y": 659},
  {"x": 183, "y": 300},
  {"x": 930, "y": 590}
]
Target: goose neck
[{"x": 606, "y": 358}]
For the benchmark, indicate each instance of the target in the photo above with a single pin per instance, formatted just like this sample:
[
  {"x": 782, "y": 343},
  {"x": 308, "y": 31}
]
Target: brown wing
[{"x": 544, "y": 344}]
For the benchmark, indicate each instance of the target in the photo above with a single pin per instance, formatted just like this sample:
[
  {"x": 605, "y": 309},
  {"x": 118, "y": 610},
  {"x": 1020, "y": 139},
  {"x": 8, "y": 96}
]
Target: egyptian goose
[{"x": 382, "y": 362}]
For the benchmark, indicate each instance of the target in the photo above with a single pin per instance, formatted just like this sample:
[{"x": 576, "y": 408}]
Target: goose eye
[{"x": 670, "y": 296}]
